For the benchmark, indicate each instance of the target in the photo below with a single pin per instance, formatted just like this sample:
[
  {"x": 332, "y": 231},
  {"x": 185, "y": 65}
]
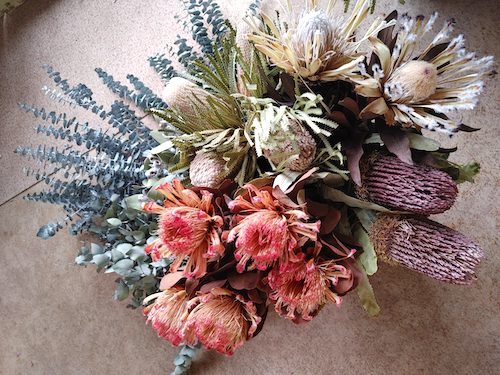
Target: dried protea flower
[
  {"x": 421, "y": 89},
  {"x": 427, "y": 247},
  {"x": 417, "y": 81},
  {"x": 301, "y": 288},
  {"x": 207, "y": 170},
  {"x": 316, "y": 44},
  {"x": 392, "y": 183},
  {"x": 295, "y": 147},
  {"x": 270, "y": 229},
  {"x": 168, "y": 314},
  {"x": 187, "y": 228},
  {"x": 221, "y": 320}
]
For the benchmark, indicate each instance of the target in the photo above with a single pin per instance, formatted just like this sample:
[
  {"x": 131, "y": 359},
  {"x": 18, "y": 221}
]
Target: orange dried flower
[
  {"x": 168, "y": 314},
  {"x": 300, "y": 289},
  {"x": 187, "y": 227},
  {"x": 221, "y": 320},
  {"x": 270, "y": 229}
]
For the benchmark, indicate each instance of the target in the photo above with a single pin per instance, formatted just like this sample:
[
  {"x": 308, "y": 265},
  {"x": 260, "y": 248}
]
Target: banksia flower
[
  {"x": 268, "y": 230},
  {"x": 168, "y": 314},
  {"x": 221, "y": 320},
  {"x": 421, "y": 89},
  {"x": 187, "y": 228},
  {"x": 301, "y": 288},
  {"x": 394, "y": 184},
  {"x": 317, "y": 44},
  {"x": 185, "y": 97},
  {"x": 295, "y": 148},
  {"x": 207, "y": 170},
  {"x": 427, "y": 247}
]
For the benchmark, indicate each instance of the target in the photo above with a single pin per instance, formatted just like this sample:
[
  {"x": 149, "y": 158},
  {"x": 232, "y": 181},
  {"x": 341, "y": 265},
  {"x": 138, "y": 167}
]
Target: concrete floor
[{"x": 59, "y": 319}]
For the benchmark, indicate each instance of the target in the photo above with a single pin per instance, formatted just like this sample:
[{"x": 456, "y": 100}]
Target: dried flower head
[
  {"x": 187, "y": 227},
  {"x": 422, "y": 89},
  {"x": 426, "y": 246},
  {"x": 390, "y": 182},
  {"x": 182, "y": 95},
  {"x": 317, "y": 44},
  {"x": 208, "y": 169},
  {"x": 221, "y": 320},
  {"x": 301, "y": 288},
  {"x": 168, "y": 314},
  {"x": 296, "y": 148},
  {"x": 271, "y": 228}
]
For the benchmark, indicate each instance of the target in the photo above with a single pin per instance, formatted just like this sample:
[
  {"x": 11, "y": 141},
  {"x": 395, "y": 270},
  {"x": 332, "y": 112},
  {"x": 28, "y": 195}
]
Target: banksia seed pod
[
  {"x": 181, "y": 94},
  {"x": 418, "y": 188},
  {"x": 426, "y": 246},
  {"x": 416, "y": 80},
  {"x": 207, "y": 170},
  {"x": 297, "y": 141}
]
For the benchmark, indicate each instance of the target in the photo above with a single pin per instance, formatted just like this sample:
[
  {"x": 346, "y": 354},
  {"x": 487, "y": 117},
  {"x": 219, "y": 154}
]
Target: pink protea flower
[
  {"x": 269, "y": 229},
  {"x": 187, "y": 227},
  {"x": 221, "y": 320},
  {"x": 301, "y": 289},
  {"x": 168, "y": 314}
]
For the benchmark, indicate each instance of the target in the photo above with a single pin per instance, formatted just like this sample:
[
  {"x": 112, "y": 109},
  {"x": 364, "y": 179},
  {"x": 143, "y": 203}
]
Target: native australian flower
[
  {"x": 426, "y": 246},
  {"x": 302, "y": 288},
  {"x": 295, "y": 148},
  {"x": 187, "y": 228},
  {"x": 168, "y": 314},
  {"x": 208, "y": 169},
  {"x": 316, "y": 44},
  {"x": 421, "y": 89},
  {"x": 221, "y": 320},
  {"x": 271, "y": 227},
  {"x": 418, "y": 188}
]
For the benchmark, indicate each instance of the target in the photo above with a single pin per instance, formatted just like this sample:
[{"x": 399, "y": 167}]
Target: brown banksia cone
[
  {"x": 207, "y": 170},
  {"x": 181, "y": 94},
  {"x": 426, "y": 246},
  {"x": 297, "y": 141},
  {"x": 417, "y": 188}
]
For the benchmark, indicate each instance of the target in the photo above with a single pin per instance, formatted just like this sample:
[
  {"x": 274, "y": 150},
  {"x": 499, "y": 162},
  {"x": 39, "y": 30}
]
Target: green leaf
[
  {"x": 133, "y": 202},
  {"x": 419, "y": 142},
  {"x": 338, "y": 196},
  {"x": 136, "y": 253},
  {"x": 114, "y": 222},
  {"x": 121, "y": 291},
  {"x": 467, "y": 172},
  {"x": 368, "y": 258},
  {"x": 366, "y": 217},
  {"x": 96, "y": 249},
  {"x": 367, "y": 297},
  {"x": 101, "y": 259},
  {"x": 123, "y": 267},
  {"x": 124, "y": 247}
]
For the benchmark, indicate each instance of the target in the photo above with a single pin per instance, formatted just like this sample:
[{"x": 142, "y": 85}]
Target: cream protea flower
[
  {"x": 221, "y": 320},
  {"x": 270, "y": 229},
  {"x": 187, "y": 227},
  {"x": 316, "y": 44},
  {"x": 207, "y": 170},
  {"x": 421, "y": 89},
  {"x": 295, "y": 148},
  {"x": 168, "y": 314},
  {"x": 301, "y": 288}
]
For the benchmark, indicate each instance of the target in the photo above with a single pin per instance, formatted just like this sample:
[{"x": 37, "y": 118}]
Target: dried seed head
[
  {"x": 426, "y": 246},
  {"x": 418, "y": 188},
  {"x": 181, "y": 94},
  {"x": 297, "y": 143},
  {"x": 412, "y": 82},
  {"x": 207, "y": 170}
]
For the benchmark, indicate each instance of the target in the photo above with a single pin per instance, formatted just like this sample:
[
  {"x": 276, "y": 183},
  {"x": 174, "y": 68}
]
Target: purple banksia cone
[
  {"x": 426, "y": 246},
  {"x": 417, "y": 188}
]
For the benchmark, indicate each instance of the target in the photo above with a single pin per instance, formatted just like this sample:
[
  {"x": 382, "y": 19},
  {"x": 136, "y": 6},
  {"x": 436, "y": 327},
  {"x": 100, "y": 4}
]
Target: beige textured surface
[{"x": 59, "y": 319}]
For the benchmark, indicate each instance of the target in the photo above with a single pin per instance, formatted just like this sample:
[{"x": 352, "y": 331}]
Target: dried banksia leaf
[
  {"x": 418, "y": 188},
  {"x": 207, "y": 170},
  {"x": 426, "y": 246},
  {"x": 297, "y": 145}
]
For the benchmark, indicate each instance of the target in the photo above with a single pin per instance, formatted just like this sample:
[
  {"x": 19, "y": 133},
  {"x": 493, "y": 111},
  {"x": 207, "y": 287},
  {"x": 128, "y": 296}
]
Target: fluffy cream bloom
[
  {"x": 316, "y": 44},
  {"x": 421, "y": 89}
]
